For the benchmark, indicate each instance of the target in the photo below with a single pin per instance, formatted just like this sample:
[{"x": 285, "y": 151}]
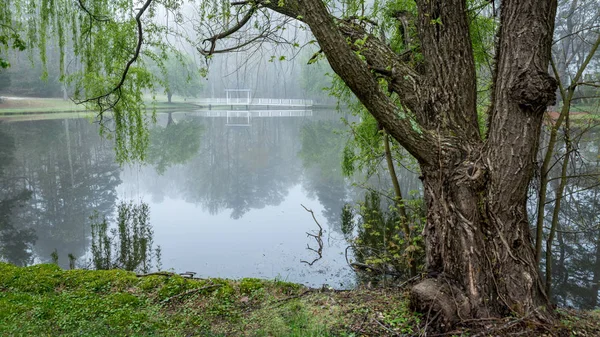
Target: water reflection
[
  {"x": 576, "y": 252},
  {"x": 233, "y": 208},
  {"x": 16, "y": 239},
  {"x": 234, "y": 169},
  {"x": 67, "y": 172},
  {"x": 225, "y": 201}
]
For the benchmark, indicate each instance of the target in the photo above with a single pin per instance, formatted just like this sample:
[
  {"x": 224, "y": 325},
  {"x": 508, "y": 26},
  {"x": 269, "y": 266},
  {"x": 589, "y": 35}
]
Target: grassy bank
[
  {"x": 44, "y": 300},
  {"x": 20, "y": 106}
]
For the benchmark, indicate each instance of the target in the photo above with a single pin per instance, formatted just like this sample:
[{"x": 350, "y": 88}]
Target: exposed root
[{"x": 443, "y": 304}]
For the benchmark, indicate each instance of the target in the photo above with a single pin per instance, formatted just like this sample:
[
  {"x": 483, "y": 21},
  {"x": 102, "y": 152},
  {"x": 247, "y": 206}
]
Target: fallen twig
[
  {"x": 386, "y": 328},
  {"x": 160, "y": 273}
]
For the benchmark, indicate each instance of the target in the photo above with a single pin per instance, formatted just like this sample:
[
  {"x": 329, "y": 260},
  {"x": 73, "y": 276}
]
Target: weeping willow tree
[
  {"x": 106, "y": 48},
  {"x": 412, "y": 65}
]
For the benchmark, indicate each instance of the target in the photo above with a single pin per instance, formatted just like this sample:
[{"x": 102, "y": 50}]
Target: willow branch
[
  {"x": 92, "y": 15},
  {"x": 133, "y": 59}
]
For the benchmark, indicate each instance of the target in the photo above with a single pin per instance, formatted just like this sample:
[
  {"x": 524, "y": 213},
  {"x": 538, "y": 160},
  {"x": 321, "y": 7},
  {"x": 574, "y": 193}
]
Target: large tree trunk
[
  {"x": 480, "y": 259},
  {"x": 479, "y": 250}
]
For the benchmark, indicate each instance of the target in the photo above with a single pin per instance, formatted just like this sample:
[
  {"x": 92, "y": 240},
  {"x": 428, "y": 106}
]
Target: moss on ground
[{"x": 44, "y": 300}]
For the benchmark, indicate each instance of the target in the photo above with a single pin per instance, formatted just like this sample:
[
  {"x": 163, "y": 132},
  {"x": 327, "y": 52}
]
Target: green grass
[
  {"x": 44, "y": 116},
  {"x": 44, "y": 300}
]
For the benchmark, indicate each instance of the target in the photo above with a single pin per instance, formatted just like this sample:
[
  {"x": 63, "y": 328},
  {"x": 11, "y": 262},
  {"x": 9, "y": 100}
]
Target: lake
[{"x": 225, "y": 191}]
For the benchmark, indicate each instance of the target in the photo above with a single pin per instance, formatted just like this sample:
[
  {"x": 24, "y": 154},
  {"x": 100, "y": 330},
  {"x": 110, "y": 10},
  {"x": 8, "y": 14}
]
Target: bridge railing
[{"x": 256, "y": 113}]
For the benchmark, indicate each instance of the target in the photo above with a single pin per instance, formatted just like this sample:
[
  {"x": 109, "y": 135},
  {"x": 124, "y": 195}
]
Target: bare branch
[
  {"x": 213, "y": 39},
  {"x": 575, "y": 33},
  {"x": 595, "y": 84},
  {"x": 231, "y": 49},
  {"x": 318, "y": 237}
]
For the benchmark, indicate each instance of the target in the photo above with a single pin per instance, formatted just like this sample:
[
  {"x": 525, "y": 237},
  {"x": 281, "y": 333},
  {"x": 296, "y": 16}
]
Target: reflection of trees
[
  {"x": 244, "y": 168},
  {"x": 70, "y": 173},
  {"x": 15, "y": 243},
  {"x": 235, "y": 168},
  {"x": 174, "y": 144},
  {"x": 322, "y": 147},
  {"x": 321, "y": 157},
  {"x": 379, "y": 247},
  {"x": 16, "y": 238},
  {"x": 576, "y": 252},
  {"x": 577, "y": 259}
]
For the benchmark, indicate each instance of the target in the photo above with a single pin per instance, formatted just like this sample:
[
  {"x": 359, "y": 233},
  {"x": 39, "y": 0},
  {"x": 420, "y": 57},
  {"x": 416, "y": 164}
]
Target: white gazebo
[{"x": 238, "y": 96}]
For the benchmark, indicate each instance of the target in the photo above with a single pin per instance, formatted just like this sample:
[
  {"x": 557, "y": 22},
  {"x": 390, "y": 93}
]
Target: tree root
[{"x": 443, "y": 305}]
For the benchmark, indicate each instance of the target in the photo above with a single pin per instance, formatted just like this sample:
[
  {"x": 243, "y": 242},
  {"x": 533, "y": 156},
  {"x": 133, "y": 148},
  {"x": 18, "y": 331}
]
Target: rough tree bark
[{"x": 480, "y": 254}]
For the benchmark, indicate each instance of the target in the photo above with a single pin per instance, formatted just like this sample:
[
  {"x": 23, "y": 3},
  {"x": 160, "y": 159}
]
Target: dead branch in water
[{"x": 318, "y": 237}]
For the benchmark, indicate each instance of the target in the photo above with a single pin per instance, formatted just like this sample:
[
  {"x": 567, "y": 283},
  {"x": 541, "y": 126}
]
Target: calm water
[{"x": 225, "y": 194}]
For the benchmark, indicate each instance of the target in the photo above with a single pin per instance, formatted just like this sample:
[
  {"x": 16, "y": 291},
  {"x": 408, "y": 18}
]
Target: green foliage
[
  {"x": 348, "y": 225},
  {"x": 401, "y": 319},
  {"x": 365, "y": 150},
  {"x": 10, "y": 36},
  {"x": 101, "y": 37},
  {"x": 54, "y": 257},
  {"x": 379, "y": 241},
  {"x": 129, "y": 245},
  {"x": 249, "y": 286}
]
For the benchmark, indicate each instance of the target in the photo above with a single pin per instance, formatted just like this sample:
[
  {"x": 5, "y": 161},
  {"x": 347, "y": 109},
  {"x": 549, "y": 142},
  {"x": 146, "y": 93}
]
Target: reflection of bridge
[
  {"x": 256, "y": 113},
  {"x": 244, "y": 118},
  {"x": 253, "y": 101}
]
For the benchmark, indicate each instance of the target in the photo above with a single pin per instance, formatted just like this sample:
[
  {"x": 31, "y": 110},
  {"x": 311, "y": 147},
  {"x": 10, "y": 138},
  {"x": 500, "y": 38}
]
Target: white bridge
[{"x": 247, "y": 101}]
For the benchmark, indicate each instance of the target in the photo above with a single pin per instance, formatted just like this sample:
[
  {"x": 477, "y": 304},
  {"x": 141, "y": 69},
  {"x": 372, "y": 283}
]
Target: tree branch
[
  {"x": 240, "y": 24},
  {"x": 331, "y": 34}
]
